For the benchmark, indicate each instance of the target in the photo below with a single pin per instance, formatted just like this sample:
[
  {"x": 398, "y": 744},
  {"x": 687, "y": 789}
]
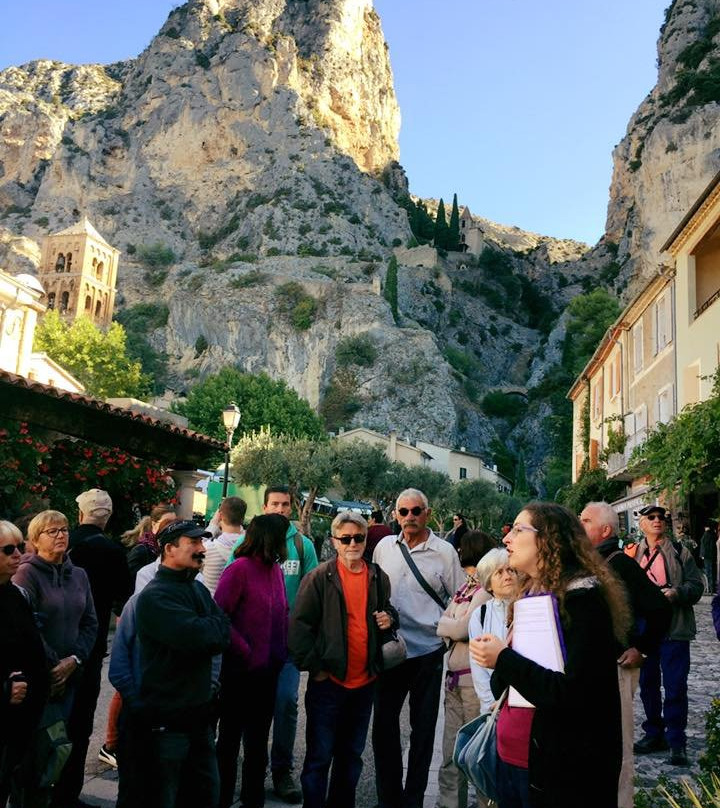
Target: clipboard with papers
[{"x": 537, "y": 635}]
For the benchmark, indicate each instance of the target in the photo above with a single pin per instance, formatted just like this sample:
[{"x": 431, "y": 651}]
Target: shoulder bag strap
[{"x": 419, "y": 577}]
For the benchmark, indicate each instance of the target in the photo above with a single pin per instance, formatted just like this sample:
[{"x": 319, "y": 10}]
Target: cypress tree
[
  {"x": 391, "y": 290},
  {"x": 441, "y": 228},
  {"x": 454, "y": 229}
]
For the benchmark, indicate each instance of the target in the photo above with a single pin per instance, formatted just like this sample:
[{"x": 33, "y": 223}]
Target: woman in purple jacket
[{"x": 251, "y": 592}]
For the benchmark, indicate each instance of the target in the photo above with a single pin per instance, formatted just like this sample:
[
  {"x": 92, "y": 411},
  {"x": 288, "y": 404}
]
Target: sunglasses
[
  {"x": 9, "y": 549},
  {"x": 358, "y": 538},
  {"x": 416, "y": 511},
  {"x": 653, "y": 516}
]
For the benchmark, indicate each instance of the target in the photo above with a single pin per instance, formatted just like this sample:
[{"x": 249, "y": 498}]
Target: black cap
[
  {"x": 653, "y": 509},
  {"x": 184, "y": 527}
]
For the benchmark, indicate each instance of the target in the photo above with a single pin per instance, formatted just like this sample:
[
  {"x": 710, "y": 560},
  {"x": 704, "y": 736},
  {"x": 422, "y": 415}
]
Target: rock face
[{"x": 672, "y": 147}]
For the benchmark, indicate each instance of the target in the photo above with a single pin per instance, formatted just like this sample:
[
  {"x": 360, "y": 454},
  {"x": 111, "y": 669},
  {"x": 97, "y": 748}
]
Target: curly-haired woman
[{"x": 566, "y": 750}]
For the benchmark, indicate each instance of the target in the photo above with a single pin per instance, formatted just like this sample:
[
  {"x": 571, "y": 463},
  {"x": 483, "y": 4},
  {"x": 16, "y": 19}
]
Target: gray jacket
[
  {"x": 61, "y": 599},
  {"x": 684, "y": 576}
]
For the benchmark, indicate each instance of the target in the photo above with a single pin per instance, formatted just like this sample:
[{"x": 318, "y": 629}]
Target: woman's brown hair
[
  {"x": 265, "y": 539},
  {"x": 566, "y": 554}
]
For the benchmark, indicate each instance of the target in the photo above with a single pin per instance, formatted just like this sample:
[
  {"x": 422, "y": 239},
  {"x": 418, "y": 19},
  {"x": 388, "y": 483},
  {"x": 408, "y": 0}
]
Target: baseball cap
[
  {"x": 648, "y": 509},
  {"x": 183, "y": 527},
  {"x": 94, "y": 502}
]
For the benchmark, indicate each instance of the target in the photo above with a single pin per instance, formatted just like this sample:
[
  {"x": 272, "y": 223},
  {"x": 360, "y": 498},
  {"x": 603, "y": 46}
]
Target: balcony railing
[
  {"x": 706, "y": 305},
  {"x": 617, "y": 462}
]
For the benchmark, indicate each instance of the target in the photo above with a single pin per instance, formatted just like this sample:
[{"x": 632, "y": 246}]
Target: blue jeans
[
  {"x": 285, "y": 718},
  {"x": 672, "y": 664},
  {"x": 513, "y": 786},
  {"x": 337, "y": 725},
  {"x": 183, "y": 769}
]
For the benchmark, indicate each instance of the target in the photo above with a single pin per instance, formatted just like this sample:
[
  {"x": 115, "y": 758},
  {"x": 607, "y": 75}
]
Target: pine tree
[
  {"x": 453, "y": 242},
  {"x": 441, "y": 228}
]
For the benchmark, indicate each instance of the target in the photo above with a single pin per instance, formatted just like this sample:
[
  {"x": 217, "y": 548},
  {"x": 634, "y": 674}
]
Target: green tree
[
  {"x": 453, "y": 236},
  {"x": 391, "y": 286},
  {"x": 362, "y": 470},
  {"x": 483, "y": 505},
  {"x": 591, "y": 486},
  {"x": 590, "y": 316},
  {"x": 440, "y": 238},
  {"x": 684, "y": 455},
  {"x": 263, "y": 402},
  {"x": 308, "y": 467},
  {"x": 97, "y": 358}
]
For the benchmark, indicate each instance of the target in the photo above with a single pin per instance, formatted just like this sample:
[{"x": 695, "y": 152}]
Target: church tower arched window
[{"x": 60, "y": 263}]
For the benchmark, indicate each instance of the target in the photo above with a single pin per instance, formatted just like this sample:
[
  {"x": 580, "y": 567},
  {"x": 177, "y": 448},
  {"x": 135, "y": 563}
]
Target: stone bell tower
[{"x": 78, "y": 271}]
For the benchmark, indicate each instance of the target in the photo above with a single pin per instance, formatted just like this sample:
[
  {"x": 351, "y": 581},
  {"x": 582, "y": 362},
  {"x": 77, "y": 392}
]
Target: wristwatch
[{"x": 77, "y": 659}]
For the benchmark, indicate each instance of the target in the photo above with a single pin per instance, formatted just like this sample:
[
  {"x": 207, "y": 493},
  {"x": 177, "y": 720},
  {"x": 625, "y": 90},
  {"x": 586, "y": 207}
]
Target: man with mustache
[
  {"x": 424, "y": 572},
  {"x": 180, "y": 629}
]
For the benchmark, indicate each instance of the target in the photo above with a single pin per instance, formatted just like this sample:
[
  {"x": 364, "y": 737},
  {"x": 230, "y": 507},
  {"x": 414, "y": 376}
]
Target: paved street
[{"x": 101, "y": 780}]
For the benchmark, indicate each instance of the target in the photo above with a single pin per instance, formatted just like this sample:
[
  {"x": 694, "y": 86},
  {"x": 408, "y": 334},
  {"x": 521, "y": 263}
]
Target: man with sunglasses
[
  {"x": 671, "y": 567},
  {"x": 424, "y": 572}
]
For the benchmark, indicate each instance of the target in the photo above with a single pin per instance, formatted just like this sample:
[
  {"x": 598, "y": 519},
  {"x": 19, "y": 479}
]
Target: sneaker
[
  {"x": 678, "y": 756},
  {"x": 107, "y": 756},
  {"x": 650, "y": 743},
  {"x": 285, "y": 787}
]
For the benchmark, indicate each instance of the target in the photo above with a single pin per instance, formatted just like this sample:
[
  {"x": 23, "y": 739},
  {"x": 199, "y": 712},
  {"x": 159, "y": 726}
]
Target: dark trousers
[
  {"x": 79, "y": 729},
  {"x": 513, "y": 786},
  {"x": 710, "y": 574},
  {"x": 182, "y": 769},
  {"x": 132, "y": 754},
  {"x": 247, "y": 701},
  {"x": 421, "y": 679},
  {"x": 337, "y": 721},
  {"x": 671, "y": 666}
]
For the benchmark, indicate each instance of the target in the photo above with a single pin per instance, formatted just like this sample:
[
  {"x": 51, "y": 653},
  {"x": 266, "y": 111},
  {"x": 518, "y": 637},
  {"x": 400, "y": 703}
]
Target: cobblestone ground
[{"x": 704, "y": 684}]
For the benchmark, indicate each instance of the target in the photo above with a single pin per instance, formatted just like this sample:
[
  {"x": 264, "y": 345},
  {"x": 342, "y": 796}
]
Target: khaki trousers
[
  {"x": 461, "y": 706},
  {"x": 628, "y": 679}
]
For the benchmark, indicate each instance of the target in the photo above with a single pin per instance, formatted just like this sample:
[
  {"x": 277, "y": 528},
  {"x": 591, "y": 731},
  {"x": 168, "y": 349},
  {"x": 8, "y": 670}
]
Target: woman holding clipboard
[{"x": 558, "y": 732}]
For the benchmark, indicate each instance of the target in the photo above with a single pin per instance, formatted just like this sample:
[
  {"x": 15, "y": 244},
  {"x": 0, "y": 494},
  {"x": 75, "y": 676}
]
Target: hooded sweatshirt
[{"x": 61, "y": 599}]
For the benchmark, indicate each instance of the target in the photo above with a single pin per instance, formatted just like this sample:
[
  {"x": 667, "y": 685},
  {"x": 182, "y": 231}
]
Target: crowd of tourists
[{"x": 538, "y": 640}]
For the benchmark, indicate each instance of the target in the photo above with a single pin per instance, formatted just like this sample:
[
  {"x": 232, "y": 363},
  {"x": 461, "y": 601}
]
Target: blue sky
[{"x": 514, "y": 104}]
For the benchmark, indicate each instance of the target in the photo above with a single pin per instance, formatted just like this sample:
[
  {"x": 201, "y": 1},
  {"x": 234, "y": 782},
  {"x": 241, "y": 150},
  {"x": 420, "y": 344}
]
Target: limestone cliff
[{"x": 672, "y": 146}]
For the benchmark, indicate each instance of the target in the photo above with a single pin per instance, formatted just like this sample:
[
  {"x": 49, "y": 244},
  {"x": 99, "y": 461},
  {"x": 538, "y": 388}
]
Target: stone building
[{"x": 78, "y": 271}]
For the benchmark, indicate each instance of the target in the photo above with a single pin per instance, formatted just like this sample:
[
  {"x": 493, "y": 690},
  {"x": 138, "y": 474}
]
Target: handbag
[
  {"x": 475, "y": 752},
  {"x": 392, "y": 645}
]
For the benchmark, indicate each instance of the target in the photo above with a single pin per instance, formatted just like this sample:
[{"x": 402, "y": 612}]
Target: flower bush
[{"x": 37, "y": 474}]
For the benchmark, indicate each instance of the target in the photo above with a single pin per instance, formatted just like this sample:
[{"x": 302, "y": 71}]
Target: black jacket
[
  {"x": 21, "y": 650},
  {"x": 651, "y": 610},
  {"x": 576, "y": 740},
  {"x": 318, "y": 624},
  {"x": 106, "y": 567},
  {"x": 180, "y": 628}
]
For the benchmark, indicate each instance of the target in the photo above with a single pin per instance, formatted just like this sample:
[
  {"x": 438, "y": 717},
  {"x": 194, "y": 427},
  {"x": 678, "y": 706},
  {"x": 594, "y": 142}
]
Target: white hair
[
  {"x": 608, "y": 515},
  {"x": 489, "y": 564},
  {"x": 412, "y": 493},
  {"x": 348, "y": 516}
]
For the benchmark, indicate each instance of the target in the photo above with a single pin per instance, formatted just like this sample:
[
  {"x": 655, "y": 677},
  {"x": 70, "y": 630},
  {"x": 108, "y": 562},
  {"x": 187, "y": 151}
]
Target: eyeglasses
[
  {"x": 416, "y": 511},
  {"x": 9, "y": 549},
  {"x": 516, "y": 529},
  {"x": 54, "y": 532},
  {"x": 653, "y": 516},
  {"x": 358, "y": 538}
]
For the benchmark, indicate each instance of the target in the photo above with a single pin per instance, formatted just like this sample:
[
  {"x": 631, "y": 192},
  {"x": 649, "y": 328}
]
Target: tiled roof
[
  {"x": 95, "y": 420},
  {"x": 82, "y": 228}
]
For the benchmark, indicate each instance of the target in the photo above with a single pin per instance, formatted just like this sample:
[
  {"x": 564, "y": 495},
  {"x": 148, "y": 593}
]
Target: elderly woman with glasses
[
  {"x": 562, "y": 748},
  {"x": 60, "y": 596},
  {"x": 23, "y": 671},
  {"x": 341, "y": 608}
]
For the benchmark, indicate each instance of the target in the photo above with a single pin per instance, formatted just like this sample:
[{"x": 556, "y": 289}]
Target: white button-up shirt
[{"x": 438, "y": 562}]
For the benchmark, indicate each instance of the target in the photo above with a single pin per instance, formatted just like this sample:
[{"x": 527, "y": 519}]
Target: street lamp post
[{"x": 230, "y": 419}]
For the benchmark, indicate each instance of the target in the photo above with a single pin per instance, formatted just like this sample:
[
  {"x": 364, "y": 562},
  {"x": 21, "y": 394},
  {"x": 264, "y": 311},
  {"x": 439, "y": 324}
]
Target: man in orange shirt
[{"x": 340, "y": 610}]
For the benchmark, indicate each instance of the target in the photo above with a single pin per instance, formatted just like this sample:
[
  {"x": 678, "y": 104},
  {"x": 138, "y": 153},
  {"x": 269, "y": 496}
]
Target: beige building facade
[
  {"x": 694, "y": 249},
  {"x": 656, "y": 359},
  {"x": 78, "y": 271}
]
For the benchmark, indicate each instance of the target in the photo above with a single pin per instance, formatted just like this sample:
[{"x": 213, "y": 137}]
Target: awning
[{"x": 96, "y": 421}]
